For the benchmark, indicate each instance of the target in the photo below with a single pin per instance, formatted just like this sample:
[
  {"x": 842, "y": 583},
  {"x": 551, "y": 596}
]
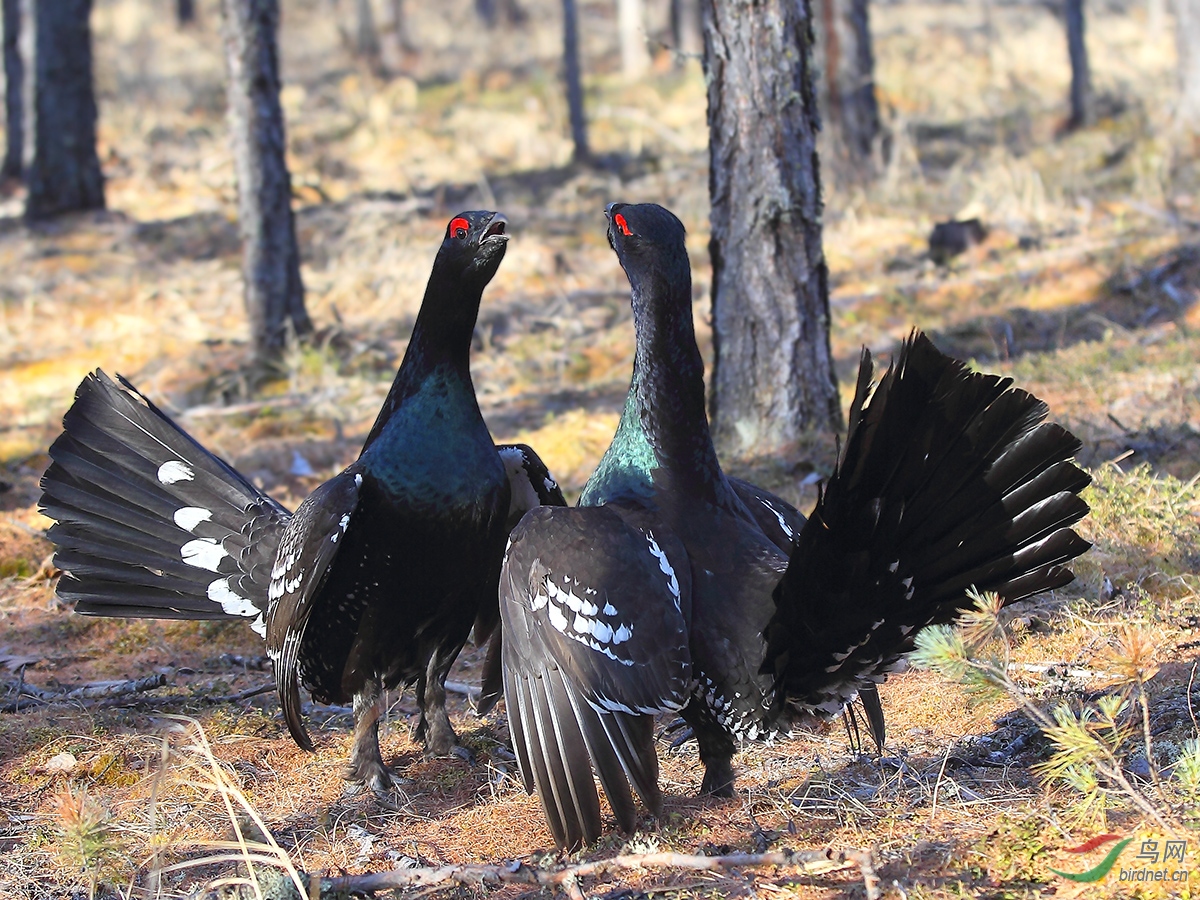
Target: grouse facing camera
[
  {"x": 674, "y": 588},
  {"x": 379, "y": 575}
]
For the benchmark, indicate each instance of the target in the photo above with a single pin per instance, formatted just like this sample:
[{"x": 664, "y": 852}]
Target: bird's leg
[
  {"x": 434, "y": 727},
  {"x": 366, "y": 765},
  {"x": 716, "y": 752}
]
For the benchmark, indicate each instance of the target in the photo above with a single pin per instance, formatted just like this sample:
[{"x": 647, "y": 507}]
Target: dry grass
[{"x": 1085, "y": 292}]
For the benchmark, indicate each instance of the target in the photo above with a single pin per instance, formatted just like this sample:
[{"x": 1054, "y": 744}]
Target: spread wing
[
  {"x": 309, "y": 545},
  {"x": 595, "y": 604}
]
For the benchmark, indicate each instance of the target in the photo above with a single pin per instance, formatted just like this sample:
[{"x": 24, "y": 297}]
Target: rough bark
[
  {"x": 270, "y": 259},
  {"x": 65, "y": 175},
  {"x": 14, "y": 87},
  {"x": 574, "y": 79},
  {"x": 685, "y": 29},
  {"x": 1082, "y": 101},
  {"x": 1187, "y": 39},
  {"x": 631, "y": 28},
  {"x": 773, "y": 377},
  {"x": 846, "y": 90}
]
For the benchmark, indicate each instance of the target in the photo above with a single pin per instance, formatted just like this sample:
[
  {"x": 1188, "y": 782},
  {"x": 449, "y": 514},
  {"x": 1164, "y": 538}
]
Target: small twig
[{"x": 242, "y": 695}]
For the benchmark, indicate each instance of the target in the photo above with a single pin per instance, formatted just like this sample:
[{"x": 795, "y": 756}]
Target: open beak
[{"x": 496, "y": 229}]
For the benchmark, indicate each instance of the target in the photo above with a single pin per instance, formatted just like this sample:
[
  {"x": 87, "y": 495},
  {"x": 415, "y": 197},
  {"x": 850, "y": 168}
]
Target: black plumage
[
  {"x": 377, "y": 577},
  {"x": 673, "y": 587}
]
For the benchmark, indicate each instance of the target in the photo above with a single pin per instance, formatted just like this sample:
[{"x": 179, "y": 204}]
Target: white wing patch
[
  {"x": 665, "y": 565},
  {"x": 188, "y": 517},
  {"x": 778, "y": 515},
  {"x": 203, "y": 553},
  {"x": 175, "y": 470},
  {"x": 584, "y": 626},
  {"x": 232, "y": 602}
]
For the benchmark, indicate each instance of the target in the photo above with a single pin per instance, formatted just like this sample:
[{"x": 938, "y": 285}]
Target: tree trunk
[
  {"x": 1187, "y": 39},
  {"x": 773, "y": 377},
  {"x": 631, "y": 27},
  {"x": 14, "y": 87},
  {"x": 847, "y": 89},
  {"x": 1082, "y": 105},
  {"x": 65, "y": 174},
  {"x": 574, "y": 80},
  {"x": 270, "y": 259},
  {"x": 394, "y": 40},
  {"x": 685, "y": 29},
  {"x": 185, "y": 12},
  {"x": 366, "y": 39}
]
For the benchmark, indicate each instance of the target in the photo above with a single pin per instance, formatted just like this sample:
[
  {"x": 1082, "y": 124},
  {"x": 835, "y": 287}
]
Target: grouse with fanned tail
[
  {"x": 380, "y": 573},
  {"x": 667, "y": 590}
]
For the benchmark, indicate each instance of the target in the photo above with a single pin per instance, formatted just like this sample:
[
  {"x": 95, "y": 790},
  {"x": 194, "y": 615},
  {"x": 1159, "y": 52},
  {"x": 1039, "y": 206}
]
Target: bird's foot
[
  {"x": 718, "y": 779},
  {"x": 373, "y": 775},
  {"x": 682, "y": 732}
]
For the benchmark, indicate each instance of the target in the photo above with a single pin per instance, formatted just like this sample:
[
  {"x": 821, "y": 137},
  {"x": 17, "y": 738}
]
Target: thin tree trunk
[
  {"x": 1187, "y": 39},
  {"x": 574, "y": 80},
  {"x": 394, "y": 41},
  {"x": 270, "y": 259},
  {"x": 14, "y": 88},
  {"x": 846, "y": 93},
  {"x": 685, "y": 29},
  {"x": 773, "y": 376},
  {"x": 631, "y": 26},
  {"x": 65, "y": 175},
  {"x": 366, "y": 39},
  {"x": 185, "y": 12},
  {"x": 1082, "y": 105}
]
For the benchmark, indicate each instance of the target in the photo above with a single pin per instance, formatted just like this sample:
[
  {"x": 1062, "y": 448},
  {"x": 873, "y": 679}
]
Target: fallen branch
[
  {"x": 98, "y": 690},
  {"x": 566, "y": 878}
]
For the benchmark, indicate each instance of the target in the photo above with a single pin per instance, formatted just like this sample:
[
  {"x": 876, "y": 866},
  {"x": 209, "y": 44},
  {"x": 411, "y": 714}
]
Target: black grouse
[
  {"x": 672, "y": 587},
  {"x": 377, "y": 577}
]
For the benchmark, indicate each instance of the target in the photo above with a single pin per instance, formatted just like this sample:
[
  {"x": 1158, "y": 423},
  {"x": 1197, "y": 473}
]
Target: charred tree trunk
[
  {"x": 631, "y": 26},
  {"x": 1187, "y": 39},
  {"x": 65, "y": 175},
  {"x": 1082, "y": 101},
  {"x": 14, "y": 97},
  {"x": 270, "y": 259},
  {"x": 685, "y": 29},
  {"x": 773, "y": 376},
  {"x": 847, "y": 89},
  {"x": 185, "y": 12},
  {"x": 574, "y": 81}
]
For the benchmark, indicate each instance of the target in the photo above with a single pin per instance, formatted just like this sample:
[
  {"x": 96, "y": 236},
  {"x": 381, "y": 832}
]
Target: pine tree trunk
[
  {"x": 574, "y": 80},
  {"x": 270, "y": 259},
  {"x": 65, "y": 175},
  {"x": 1187, "y": 39},
  {"x": 14, "y": 87},
  {"x": 773, "y": 376},
  {"x": 1082, "y": 105},
  {"x": 685, "y": 29},
  {"x": 846, "y": 96},
  {"x": 631, "y": 26}
]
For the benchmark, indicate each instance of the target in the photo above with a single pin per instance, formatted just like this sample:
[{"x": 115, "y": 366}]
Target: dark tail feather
[
  {"x": 148, "y": 522},
  {"x": 949, "y": 480}
]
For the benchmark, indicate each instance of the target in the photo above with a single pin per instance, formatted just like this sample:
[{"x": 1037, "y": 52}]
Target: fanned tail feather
[
  {"x": 148, "y": 522},
  {"x": 949, "y": 479}
]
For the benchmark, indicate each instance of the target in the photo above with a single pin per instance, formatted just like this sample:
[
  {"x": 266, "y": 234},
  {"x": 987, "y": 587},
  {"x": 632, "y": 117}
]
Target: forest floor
[{"x": 1085, "y": 291}]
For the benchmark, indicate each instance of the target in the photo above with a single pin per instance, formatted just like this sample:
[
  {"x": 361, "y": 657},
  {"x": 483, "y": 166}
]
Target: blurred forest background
[{"x": 1080, "y": 279}]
